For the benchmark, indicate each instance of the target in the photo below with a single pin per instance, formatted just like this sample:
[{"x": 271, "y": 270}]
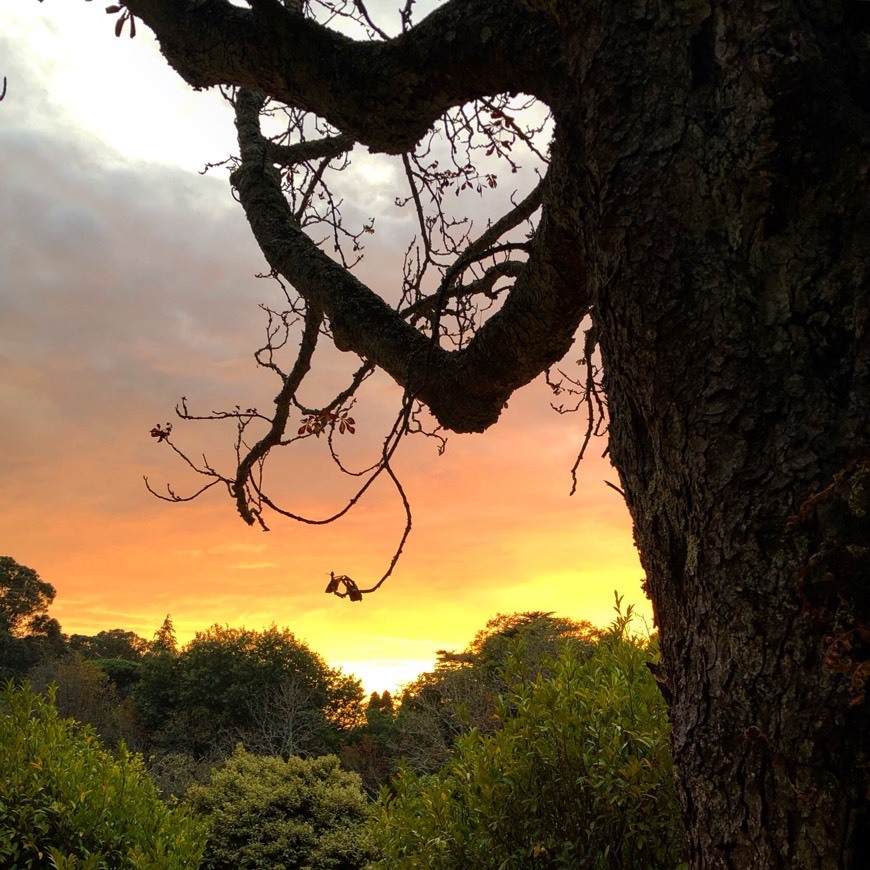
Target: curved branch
[
  {"x": 390, "y": 445},
  {"x": 173, "y": 497},
  {"x": 356, "y": 380},
  {"x": 466, "y": 389},
  {"x": 352, "y": 591},
  {"x": 372, "y": 91}
]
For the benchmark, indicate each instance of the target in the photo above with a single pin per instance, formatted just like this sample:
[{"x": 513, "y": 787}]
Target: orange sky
[{"x": 126, "y": 283}]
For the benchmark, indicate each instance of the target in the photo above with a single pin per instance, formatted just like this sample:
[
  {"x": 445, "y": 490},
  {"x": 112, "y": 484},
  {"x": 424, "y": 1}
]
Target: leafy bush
[
  {"x": 578, "y": 776},
  {"x": 66, "y": 802},
  {"x": 462, "y": 692},
  {"x": 266, "y": 813}
]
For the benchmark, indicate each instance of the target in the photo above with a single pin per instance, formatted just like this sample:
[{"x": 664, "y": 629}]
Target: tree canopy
[
  {"x": 28, "y": 635},
  {"x": 115, "y": 643},
  {"x": 462, "y": 692},
  {"x": 267, "y": 689},
  {"x": 24, "y": 598}
]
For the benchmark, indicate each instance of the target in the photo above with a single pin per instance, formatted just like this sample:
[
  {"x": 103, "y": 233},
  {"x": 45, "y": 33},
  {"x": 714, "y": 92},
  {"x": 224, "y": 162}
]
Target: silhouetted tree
[
  {"x": 24, "y": 598},
  {"x": 371, "y": 750},
  {"x": 164, "y": 642},
  {"x": 28, "y": 635}
]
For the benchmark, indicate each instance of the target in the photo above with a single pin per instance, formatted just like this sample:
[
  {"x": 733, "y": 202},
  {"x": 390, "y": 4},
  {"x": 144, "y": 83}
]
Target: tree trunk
[{"x": 733, "y": 327}]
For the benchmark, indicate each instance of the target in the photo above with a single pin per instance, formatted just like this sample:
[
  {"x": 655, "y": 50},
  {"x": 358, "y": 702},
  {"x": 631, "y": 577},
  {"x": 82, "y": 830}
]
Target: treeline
[{"x": 543, "y": 743}]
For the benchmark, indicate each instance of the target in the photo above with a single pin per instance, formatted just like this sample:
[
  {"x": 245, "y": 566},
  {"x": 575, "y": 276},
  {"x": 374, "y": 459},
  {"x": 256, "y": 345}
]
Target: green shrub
[
  {"x": 266, "y": 813},
  {"x": 579, "y": 775},
  {"x": 67, "y": 802},
  {"x": 462, "y": 691}
]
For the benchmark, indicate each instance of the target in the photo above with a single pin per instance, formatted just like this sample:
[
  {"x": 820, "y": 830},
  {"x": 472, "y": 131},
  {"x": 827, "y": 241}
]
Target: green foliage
[
  {"x": 123, "y": 673},
  {"x": 369, "y": 751},
  {"x": 18, "y": 655},
  {"x": 527, "y": 639},
  {"x": 266, "y": 813},
  {"x": 578, "y": 776},
  {"x": 66, "y": 802},
  {"x": 85, "y": 692},
  {"x": 462, "y": 692},
  {"x": 175, "y": 772}
]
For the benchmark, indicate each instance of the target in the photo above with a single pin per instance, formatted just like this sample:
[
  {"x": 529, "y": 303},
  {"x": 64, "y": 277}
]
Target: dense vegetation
[
  {"x": 299, "y": 814},
  {"x": 66, "y": 802},
  {"x": 578, "y": 774},
  {"x": 543, "y": 743}
]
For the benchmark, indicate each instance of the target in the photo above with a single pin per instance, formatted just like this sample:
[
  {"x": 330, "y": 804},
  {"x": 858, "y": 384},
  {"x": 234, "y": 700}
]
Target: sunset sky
[{"x": 127, "y": 280}]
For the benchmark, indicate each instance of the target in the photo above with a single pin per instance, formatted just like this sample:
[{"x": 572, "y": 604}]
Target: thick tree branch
[
  {"x": 465, "y": 390},
  {"x": 383, "y": 94}
]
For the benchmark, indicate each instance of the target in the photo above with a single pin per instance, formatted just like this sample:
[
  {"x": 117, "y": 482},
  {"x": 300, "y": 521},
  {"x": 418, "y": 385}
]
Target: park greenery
[
  {"x": 67, "y": 802},
  {"x": 544, "y": 743}
]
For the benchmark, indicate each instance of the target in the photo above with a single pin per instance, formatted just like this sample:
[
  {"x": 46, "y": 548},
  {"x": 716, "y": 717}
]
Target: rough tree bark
[{"x": 707, "y": 203}]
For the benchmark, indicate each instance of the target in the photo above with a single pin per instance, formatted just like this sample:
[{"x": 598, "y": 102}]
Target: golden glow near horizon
[{"x": 127, "y": 282}]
